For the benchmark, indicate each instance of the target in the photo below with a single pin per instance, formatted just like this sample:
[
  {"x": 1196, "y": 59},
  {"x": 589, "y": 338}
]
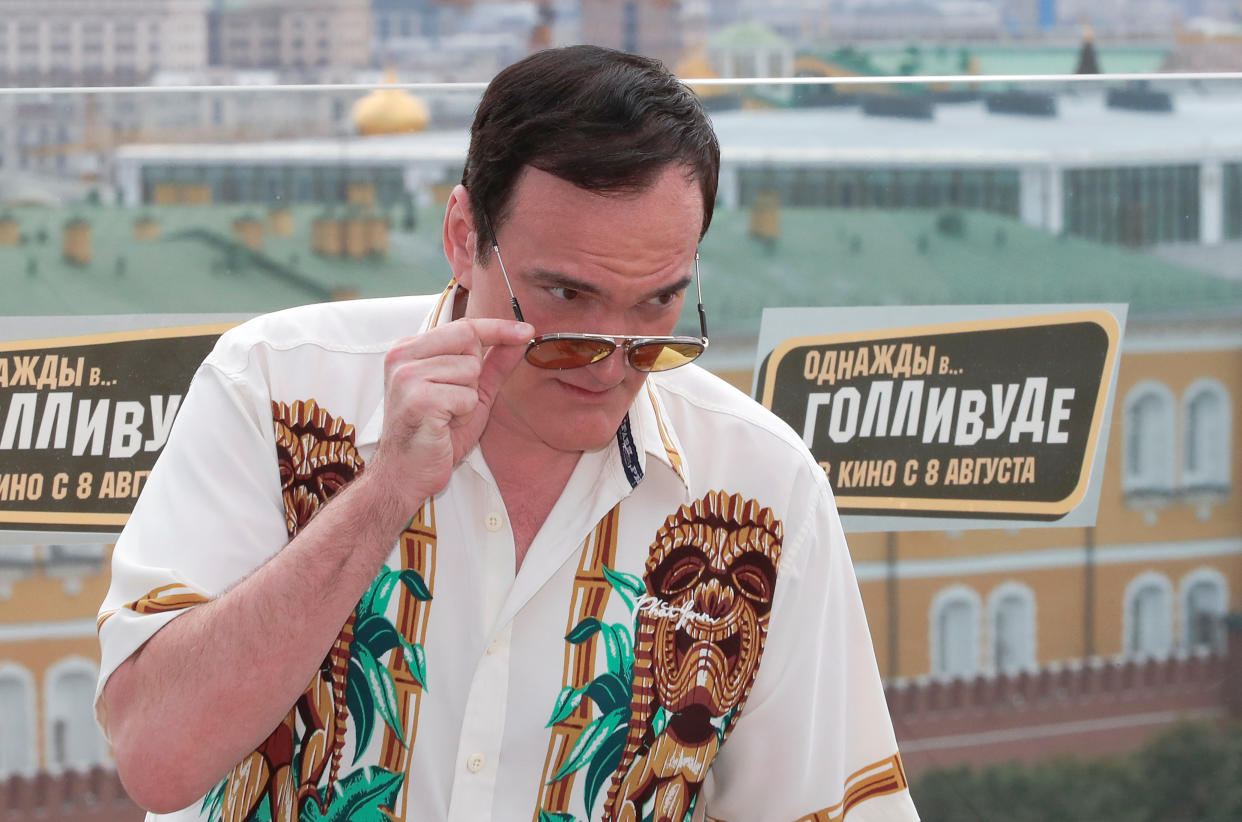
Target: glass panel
[{"x": 847, "y": 191}]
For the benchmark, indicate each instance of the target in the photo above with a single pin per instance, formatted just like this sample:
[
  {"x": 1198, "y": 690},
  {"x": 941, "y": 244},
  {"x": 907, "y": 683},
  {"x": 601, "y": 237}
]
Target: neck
[{"x": 530, "y": 479}]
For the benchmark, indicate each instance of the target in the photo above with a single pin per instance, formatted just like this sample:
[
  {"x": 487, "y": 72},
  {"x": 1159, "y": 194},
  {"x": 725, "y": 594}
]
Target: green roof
[
  {"x": 743, "y": 35},
  {"x": 832, "y": 257},
  {"x": 198, "y": 265},
  {"x": 823, "y": 257}
]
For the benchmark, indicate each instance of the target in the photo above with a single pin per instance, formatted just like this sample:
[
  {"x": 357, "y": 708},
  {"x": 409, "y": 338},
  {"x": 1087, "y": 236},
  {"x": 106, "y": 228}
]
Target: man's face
[{"x": 585, "y": 262}]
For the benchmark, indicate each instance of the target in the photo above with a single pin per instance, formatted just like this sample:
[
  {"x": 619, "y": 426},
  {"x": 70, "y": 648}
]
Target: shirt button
[
  {"x": 494, "y": 522},
  {"x": 474, "y": 763}
]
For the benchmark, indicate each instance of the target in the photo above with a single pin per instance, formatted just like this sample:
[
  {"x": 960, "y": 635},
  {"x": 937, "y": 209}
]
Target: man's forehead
[{"x": 532, "y": 185}]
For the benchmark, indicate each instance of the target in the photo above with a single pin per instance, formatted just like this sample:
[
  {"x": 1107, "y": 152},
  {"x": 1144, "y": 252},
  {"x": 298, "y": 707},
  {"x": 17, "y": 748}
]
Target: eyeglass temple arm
[
  {"x": 517, "y": 309},
  {"x": 698, "y": 284}
]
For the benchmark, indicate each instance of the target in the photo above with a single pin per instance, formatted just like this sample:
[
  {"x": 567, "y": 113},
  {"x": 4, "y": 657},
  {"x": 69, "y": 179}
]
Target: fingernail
[{"x": 525, "y": 329}]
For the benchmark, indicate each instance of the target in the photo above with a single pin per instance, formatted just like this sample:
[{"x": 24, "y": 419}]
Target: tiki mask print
[
  {"x": 699, "y": 637},
  {"x": 316, "y": 455}
]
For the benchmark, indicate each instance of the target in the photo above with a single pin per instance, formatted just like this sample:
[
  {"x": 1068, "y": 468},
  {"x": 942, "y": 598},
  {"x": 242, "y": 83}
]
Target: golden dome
[{"x": 390, "y": 110}]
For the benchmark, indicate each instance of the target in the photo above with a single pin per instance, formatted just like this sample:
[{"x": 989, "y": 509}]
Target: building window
[
  {"x": 993, "y": 190},
  {"x": 17, "y": 711},
  {"x": 1147, "y": 461},
  {"x": 955, "y": 633},
  {"x": 1203, "y": 598},
  {"x": 1133, "y": 206},
  {"x": 1011, "y": 612},
  {"x": 1148, "y": 617},
  {"x": 73, "y": 739},
  {"x": 1206, "y": 448}
]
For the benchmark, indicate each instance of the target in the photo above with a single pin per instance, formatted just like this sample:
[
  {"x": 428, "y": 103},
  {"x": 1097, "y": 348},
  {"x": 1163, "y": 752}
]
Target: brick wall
[
  {"x": 94, "y": 796},
  {"x": 1096, "y": 707}
]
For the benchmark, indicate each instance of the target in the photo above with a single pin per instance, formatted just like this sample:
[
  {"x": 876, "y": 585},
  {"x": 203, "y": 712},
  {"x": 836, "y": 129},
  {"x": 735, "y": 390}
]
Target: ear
[{"x": 460, "y": 238}]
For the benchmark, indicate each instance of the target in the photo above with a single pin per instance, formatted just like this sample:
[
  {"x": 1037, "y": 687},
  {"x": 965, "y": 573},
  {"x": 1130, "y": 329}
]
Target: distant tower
[{"x": 1088, "y": 63}]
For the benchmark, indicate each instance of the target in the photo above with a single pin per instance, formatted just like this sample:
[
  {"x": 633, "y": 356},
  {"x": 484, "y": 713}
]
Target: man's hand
[{"x": 439, "y": 387}]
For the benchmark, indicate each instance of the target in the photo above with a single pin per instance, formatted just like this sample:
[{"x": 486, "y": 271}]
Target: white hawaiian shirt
[{"x": 684, "y": 639}]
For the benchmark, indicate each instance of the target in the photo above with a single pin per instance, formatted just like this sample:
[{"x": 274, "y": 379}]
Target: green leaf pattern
[
  {"x": 369, "y": 691},
  {"x": 601, "y": 743},
  {"x": 361, "y": 794}
]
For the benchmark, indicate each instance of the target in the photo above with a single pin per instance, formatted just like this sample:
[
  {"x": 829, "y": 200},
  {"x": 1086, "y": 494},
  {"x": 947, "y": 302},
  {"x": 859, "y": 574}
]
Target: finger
[
  {"x": 498, "y": 364},
  {"x": 439, "y": 404},
  {"x": 460, "y": 369},
  {"x": 499, "y": 332}
]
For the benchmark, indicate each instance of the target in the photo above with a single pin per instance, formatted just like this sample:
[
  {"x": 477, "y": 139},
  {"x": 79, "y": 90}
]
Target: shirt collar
[
  {"x": 654, "y": 434},
  {"x": 649, "y": 428}
]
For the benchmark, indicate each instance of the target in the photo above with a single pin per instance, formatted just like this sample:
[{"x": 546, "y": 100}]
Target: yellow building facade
[{"x": 1153, "y": 577}]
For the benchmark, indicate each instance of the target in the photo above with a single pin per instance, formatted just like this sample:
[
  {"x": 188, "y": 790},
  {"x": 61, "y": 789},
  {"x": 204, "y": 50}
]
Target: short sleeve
[
  {"x": 815, "y": 741},
  {"x": 210, "y": 513}
]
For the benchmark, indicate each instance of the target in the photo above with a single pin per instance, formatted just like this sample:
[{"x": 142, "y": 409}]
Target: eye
[
  {"x": 562, "y": 293},
  {"x": 755, "y": 577},
  {"x": 679, "y": 571},
  {"x": 663, "y": 299}
]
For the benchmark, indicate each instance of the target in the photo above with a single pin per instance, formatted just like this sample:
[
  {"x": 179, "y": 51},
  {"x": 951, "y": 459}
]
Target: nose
[{"x": 611, "y": 370}]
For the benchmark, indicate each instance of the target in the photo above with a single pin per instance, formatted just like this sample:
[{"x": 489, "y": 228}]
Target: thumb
[{"x": 498, "y": 363}]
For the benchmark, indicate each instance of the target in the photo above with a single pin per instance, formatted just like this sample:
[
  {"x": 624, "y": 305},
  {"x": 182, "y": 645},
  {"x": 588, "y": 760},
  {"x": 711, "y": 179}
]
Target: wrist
[{"x": 384, "y": 503}]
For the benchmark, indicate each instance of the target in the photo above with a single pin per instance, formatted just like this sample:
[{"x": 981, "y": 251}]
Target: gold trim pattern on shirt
[
  {"x": 162, "y": 600},
  {"x": 674, "y": 457},
  {"x": 590, "y": 596},
  {"x": 418, "y": 552},
  {"x": 878, "y": 779}
]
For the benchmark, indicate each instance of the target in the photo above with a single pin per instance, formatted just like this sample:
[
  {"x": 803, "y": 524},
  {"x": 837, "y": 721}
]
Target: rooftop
[
  {"x": 1206, "y": 122},
  {"x": 824, "y": 257}
]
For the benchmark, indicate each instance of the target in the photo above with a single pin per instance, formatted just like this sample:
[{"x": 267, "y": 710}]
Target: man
[{"x": 525, "y": 577}]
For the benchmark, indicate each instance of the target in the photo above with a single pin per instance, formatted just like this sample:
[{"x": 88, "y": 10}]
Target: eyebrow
[{"x": 548, "y": 278}]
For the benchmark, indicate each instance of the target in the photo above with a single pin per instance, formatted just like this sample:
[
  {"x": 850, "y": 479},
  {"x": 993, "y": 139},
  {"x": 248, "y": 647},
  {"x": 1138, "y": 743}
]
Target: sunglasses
[{"x": 562, "y": 351}]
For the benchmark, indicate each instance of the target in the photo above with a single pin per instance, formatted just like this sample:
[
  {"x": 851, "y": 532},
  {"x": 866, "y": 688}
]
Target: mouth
[{"x": 586, "y": 394}]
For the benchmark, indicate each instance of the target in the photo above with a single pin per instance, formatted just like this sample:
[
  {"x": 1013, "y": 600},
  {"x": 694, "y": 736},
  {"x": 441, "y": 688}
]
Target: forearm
[{"x": 210, "y": 686}]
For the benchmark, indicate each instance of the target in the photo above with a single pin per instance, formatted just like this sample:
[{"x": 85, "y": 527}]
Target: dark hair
[{"x": 601, "y": 119}]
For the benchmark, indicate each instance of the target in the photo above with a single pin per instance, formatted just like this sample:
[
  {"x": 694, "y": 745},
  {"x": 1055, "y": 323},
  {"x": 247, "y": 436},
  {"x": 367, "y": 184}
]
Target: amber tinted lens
[
  {"x": 663, "y": 356},
  {"x": 573, "y": 352}
]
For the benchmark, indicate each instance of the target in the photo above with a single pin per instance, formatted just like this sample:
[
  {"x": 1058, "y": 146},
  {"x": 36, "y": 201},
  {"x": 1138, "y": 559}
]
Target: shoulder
[
  {"x": 349, "y": 327},
  {"x": 707, "y": 411},
  {"x": 733, "y": 444}
]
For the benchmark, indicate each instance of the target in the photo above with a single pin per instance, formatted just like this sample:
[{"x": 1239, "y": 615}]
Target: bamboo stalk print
[
  {"x": 418, "y": 552},
  {"x": 590, "y": 596}
]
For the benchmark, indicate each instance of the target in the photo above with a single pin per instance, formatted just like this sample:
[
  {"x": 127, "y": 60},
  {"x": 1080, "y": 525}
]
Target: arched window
[
  {"x": 1204, "y": 594},
  {"x": 1148, "y": 618},
  {"x": 73, "y": 740},
  {"x": 1206, "y": 449},
  {"x": 16, "y": 562},
  {"x": 17, "y": 711},
  {"x": 1147, "y": 462},
  {"x": 1011, "y": 615},
  {"x": 955, "y": 632}
]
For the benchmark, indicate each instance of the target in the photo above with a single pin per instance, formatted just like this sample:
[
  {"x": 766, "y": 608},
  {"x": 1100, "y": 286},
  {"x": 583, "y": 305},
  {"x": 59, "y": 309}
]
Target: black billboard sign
[
  {"x": 83, "y": 418},
  {"x": 990, "y": 418}
]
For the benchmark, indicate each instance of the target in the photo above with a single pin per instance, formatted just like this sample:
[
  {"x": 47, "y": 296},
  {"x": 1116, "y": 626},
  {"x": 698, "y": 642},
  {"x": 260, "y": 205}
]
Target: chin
[{"x": 581, "y": 435}]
